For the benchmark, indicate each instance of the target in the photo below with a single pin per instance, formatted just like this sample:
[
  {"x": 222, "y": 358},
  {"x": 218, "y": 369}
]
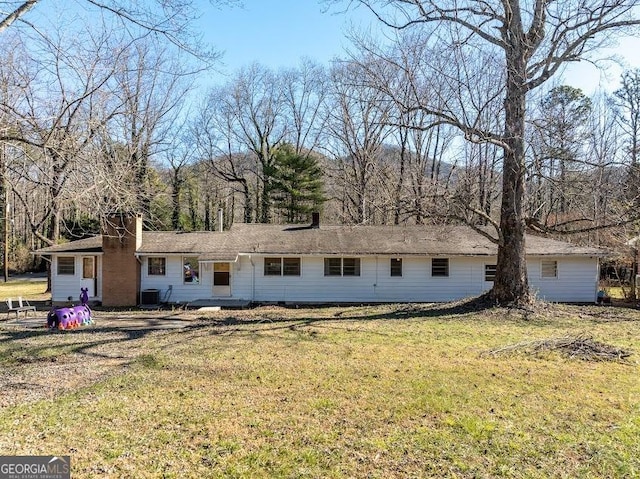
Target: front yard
[{"x": 385, "y": 391}]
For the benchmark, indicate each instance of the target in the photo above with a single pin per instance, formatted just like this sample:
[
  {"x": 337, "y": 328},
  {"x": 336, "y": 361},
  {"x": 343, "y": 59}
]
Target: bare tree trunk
[
  {"x": 511, "y": 283},
  {"x": 176, "y": 187},
  {"x": 4, "y": 210}
]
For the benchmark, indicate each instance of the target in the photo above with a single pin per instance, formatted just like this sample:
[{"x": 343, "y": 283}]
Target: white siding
[
  {"x": 67, "y": 286},
  {"x": 576, "y": 281},
  {"x": 185, "y": 292},
  {"x": 242, "y": 278},
  {"x": 375, "y": 283},
  {"x": 173, "y": 280}
]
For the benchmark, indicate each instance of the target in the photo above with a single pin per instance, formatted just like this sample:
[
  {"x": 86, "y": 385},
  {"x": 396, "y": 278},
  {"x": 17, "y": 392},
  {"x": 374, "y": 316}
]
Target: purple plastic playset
[{"x": 71, "y": 317}]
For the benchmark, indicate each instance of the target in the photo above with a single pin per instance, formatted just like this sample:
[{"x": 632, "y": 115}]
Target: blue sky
[{"x": 278, "y": 33}]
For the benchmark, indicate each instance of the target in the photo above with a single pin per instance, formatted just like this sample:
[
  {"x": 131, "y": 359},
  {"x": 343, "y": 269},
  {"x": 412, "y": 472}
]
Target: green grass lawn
[
  {"x": 33, "y": 290},
  {"x": 352, "y": 392}
]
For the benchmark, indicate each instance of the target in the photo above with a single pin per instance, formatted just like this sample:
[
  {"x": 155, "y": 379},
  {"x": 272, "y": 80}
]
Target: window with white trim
[
  {"x": 156, "y": 266},
  {"x": 273, "y": 266},
  {"x": 333, "y": 266},
  {"x": 342, "y": 266},
  {"x": 395, "y": 267},
  {"x": 290, "y": 266},
  {"x": 277, "y": 266},
  {"x": 66, "y": 265},
  {"x": 350, "y": 266},
  {"x": 191, "y": 271},
  {"x": 440, "y": 267},
  {"x": 549, "y": 268}
]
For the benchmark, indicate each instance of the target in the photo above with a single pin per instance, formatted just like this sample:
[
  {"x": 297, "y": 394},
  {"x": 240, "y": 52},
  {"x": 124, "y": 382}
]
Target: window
[
  {"x": 272, "y": 266},
  {"x": 282, "y": 266},
  {"x": 342, "y": 266},
  {"x": 221, "y": 274},
  {"x": 333, "y": 267},
  {"x": 396, "y": 267},
  {"x": 489, "y": 272},
  {"x": 350, "y": 266},
  {"x": 440, "y": 267},
  {"x": 157, "y": 266},
  {"x": 88, "y": 268},
  {"x": 291, "y": 266},
  {"x": 66, "y": 265},
  {"x": 549, "y": 269},
  {"x": 191, "y": 269}
]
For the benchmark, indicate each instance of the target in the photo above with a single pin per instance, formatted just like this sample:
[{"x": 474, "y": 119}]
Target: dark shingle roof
[
  {"x": 92, "y": 244},
  {"x": 338, "y": 240}
]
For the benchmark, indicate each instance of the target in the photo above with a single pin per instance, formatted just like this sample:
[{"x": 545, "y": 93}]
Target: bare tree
[
  {"x": 356, "y": 130},
  {"x": 150, "y": 83},
  {"x": 534, "y": 39},
  {"x": 54, "y": 124},
  {"x": 213, "y": 130},
  {"x": 626, "y": 101},
  {"x": 422, "y": 173},
  {"x": 303, "y": 92},
  {"x": 178, "y": 156},
  {"x": 251, "y": 114},
  {"x": 559, "y": 133},
  {"x": 54, "y": 131},
  {"x": 170, "y": 19}
]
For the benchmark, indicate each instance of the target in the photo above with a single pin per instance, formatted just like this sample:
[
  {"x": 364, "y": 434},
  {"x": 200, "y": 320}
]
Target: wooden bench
[{"x": 23, "y": 306}]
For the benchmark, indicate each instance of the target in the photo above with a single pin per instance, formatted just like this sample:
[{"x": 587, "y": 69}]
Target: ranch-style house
[{"x": 257, "y": 263}]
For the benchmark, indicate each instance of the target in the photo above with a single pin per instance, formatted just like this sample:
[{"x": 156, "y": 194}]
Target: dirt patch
[{"x": 40, "y": 364}]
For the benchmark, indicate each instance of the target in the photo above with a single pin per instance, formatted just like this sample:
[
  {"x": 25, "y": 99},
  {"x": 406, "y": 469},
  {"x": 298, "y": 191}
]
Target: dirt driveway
[
  {"x": 110, "y": 319},
  {"x": 39, "y": 364}
]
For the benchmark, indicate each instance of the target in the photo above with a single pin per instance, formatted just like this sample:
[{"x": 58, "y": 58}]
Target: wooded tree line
[
  {"x": 82, "y": 139},
  {"x": 108, "y": 122}
]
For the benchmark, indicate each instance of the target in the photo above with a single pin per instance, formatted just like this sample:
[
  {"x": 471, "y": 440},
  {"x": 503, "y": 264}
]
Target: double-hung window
[
  {"x": 66, "y": 265},
  {"x": 549, "y": 268},
  {"x": 156, "y": 266},
  {"x": 191, "y": 270},
  {"x": 342, "y": 266},
  {"x": 277, "y": 266},
  {"x": 290, "y": 266},
  {"x": 440, "y": 267},
  {"x": 273, "y": 266},
  {"x": 395, "y": 268}
]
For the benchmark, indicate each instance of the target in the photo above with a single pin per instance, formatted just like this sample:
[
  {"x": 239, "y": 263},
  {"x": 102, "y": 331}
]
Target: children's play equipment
[{"x": 71, "y": 317}]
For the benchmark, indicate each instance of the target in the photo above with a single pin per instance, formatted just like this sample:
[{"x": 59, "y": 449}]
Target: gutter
[{"x": 253, "y": 279}]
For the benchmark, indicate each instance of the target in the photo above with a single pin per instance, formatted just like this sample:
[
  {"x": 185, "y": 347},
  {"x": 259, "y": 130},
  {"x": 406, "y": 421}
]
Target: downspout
[
  {"x": 375, "y": 293},
  {"x": 595, "y": 300},
  {"x": 253, "y": 278},
  {"x": 138, "y": 258}
]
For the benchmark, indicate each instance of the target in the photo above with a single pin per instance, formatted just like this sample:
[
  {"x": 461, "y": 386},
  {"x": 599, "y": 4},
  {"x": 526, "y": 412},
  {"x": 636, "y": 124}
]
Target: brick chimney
[{"x": 121, "y": 238}]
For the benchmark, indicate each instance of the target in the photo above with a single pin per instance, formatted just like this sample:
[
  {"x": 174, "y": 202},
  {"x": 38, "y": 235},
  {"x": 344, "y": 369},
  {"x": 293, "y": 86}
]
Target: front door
[
  {"x": 222, "y": 279},
  {"x": 89, "y": 275}
]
